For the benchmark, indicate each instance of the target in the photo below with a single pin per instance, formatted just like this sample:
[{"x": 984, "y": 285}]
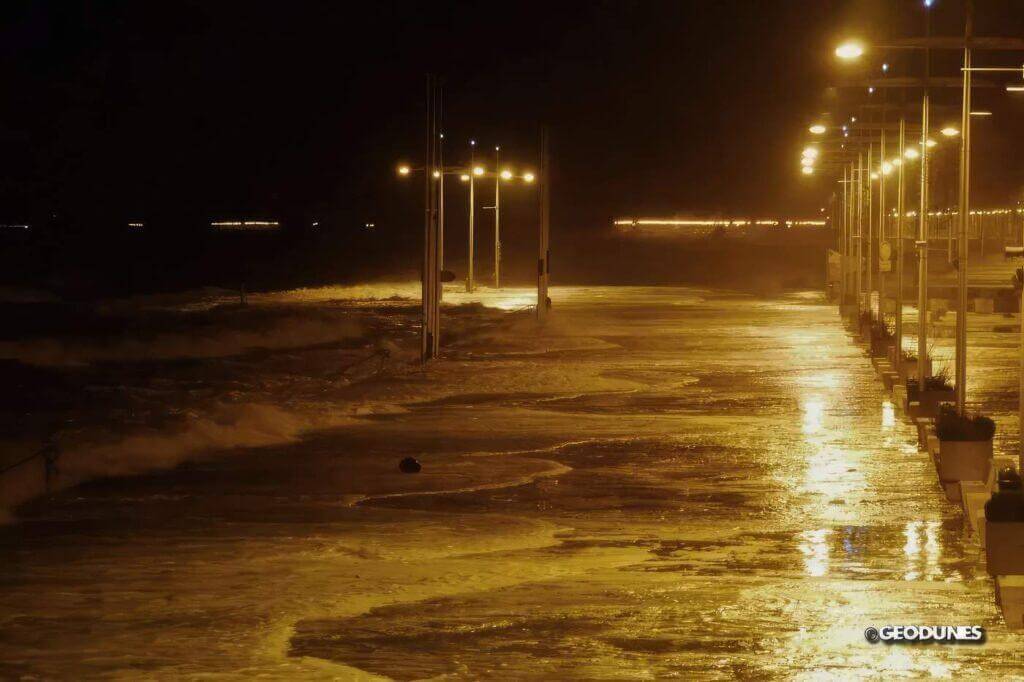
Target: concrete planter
[
  {"x": 930, "y": 400},
  {"x": 880, "y": 347},
  {"x": 848, "y": 310},
  {"x": 1004, "y": 547},
  {"x": 908, "y": 368},
  {"x": 964, "y": 460}
]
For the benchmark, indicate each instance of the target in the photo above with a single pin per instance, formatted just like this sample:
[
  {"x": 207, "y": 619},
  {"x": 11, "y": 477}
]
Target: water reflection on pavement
[{"x": 706, "y": 485}]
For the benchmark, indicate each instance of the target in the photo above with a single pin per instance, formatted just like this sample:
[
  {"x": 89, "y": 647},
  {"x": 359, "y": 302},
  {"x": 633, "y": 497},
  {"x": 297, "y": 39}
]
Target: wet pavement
[{"x": 665, "y": 483}]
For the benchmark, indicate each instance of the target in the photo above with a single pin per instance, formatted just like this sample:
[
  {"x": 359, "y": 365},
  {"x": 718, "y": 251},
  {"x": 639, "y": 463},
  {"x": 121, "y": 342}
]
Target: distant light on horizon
[
  {"x": 245, "y": 224},
  {"x": 717, "y": 222}
]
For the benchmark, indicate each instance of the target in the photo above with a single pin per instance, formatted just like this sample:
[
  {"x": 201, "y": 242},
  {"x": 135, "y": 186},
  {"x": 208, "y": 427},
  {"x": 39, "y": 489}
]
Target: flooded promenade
[{"x": 667, "y": 482}]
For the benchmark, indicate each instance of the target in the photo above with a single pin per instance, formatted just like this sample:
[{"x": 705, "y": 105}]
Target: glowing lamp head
[
  {"x": 478, "y": 171},
  {"x": 911, "y": 153},
  {"x": 529, "y": 177},
  {"x": 464, "y": 177},
  {"x": 931, "y": 143},
  {"x": 806, "y": 161},
  {"x": 874, "y": 176},
  {"x": 810, "y": 153},
  {"x": 850, "y": 50},
  {"x": 436, "y": 174},
  {"x": 886, "y": 168},
  {"x": 807, "y": 170},
  {"x": 506, "y": 174},
  {"x": 817, "y": 129},
  {"x": 404, "y": 170},
  {"x": 950, "y": 131}
]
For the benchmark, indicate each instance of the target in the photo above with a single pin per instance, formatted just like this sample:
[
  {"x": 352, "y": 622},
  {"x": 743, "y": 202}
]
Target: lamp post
[
  {"x": 497, "y": 218},
  {"x": 472, "y": 204}
]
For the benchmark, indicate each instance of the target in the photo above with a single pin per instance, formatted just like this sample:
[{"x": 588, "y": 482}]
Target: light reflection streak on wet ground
[{"x": 742, "y": 501}]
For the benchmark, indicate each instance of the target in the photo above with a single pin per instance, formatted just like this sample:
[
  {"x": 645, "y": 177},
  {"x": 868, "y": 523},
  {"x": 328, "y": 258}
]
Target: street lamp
[
  {"x": 950, "y": 131},
  {"x": 817, "y": 129},
  {"x": 850, "y": 50}
]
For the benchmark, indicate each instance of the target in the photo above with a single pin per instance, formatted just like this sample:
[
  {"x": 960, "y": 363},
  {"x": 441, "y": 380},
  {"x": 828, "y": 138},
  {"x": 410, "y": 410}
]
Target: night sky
[{"x": 178, "y": 113}]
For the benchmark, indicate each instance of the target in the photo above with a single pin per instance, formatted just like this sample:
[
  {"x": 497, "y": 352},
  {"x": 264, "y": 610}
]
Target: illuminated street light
[
  {"x": 817, "y": 129},
  {"x": 810, "y": 153},
  {"x": 464, "y": 177},
  {"x": 911, "y": 153},
  {"x": 403, "y": 170},
  {"x": 478, "y": 170},
  {"x": 874, "y": 176},
  {"x": 981, "y": 113},
  {"x": 886, "y": 168},
  {"x": 1015, "y": 88},
  {"x": 850, "y": 50},
  {"x": 528, "y": 177},
  {"x": 436, "y": 174},
  {"x": 506, "y": 174},
  {"x": 806, "y": 161},
  {"x": 931, "y": 143},
  {"x": 807, "y": 170},
  {"x": 950, "y": 131}
]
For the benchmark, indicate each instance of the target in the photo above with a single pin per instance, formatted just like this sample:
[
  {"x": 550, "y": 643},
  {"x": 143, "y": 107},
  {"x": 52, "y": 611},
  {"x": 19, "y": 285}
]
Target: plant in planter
[
  {"x": 965, "y": 445},
  {"x": 1004, "y": 526},
  {"x": 848, "y": 306},
  {"x": 881, "y": 338},
  {"x": 937, "y": 390},
  {"x": 864, "y": 324},
  {"x": 908, "y": 365}
]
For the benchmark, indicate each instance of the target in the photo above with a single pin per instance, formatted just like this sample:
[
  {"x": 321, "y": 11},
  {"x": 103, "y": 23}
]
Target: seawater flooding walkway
[{"x": 669, "y": 482}]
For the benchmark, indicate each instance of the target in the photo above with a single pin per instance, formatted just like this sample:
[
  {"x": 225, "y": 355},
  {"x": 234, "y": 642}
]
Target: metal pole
[
  {"x": 429, "y": 277},
  {"x": 899, "y": 249},
  {"x": 963, "y": 224},
  {"x": 472, "y": 201},
  {"x": 543, "y": 248},
  {"x": 851, "y": 213},
  {"x": 859, "y": 179},
  {"x": 497, "y": 219},
  {"x": 922, "y": 252},
  {"x": 871, "y": 235},
  {"x": 844, "y": 251},
  {"x": 881, "y": 226},
  {"x": 440, "y": 211}
]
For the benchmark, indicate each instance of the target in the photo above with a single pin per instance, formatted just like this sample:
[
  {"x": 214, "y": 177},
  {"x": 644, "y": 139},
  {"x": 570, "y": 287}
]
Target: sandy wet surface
[{"x": 667, "y": 482}]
